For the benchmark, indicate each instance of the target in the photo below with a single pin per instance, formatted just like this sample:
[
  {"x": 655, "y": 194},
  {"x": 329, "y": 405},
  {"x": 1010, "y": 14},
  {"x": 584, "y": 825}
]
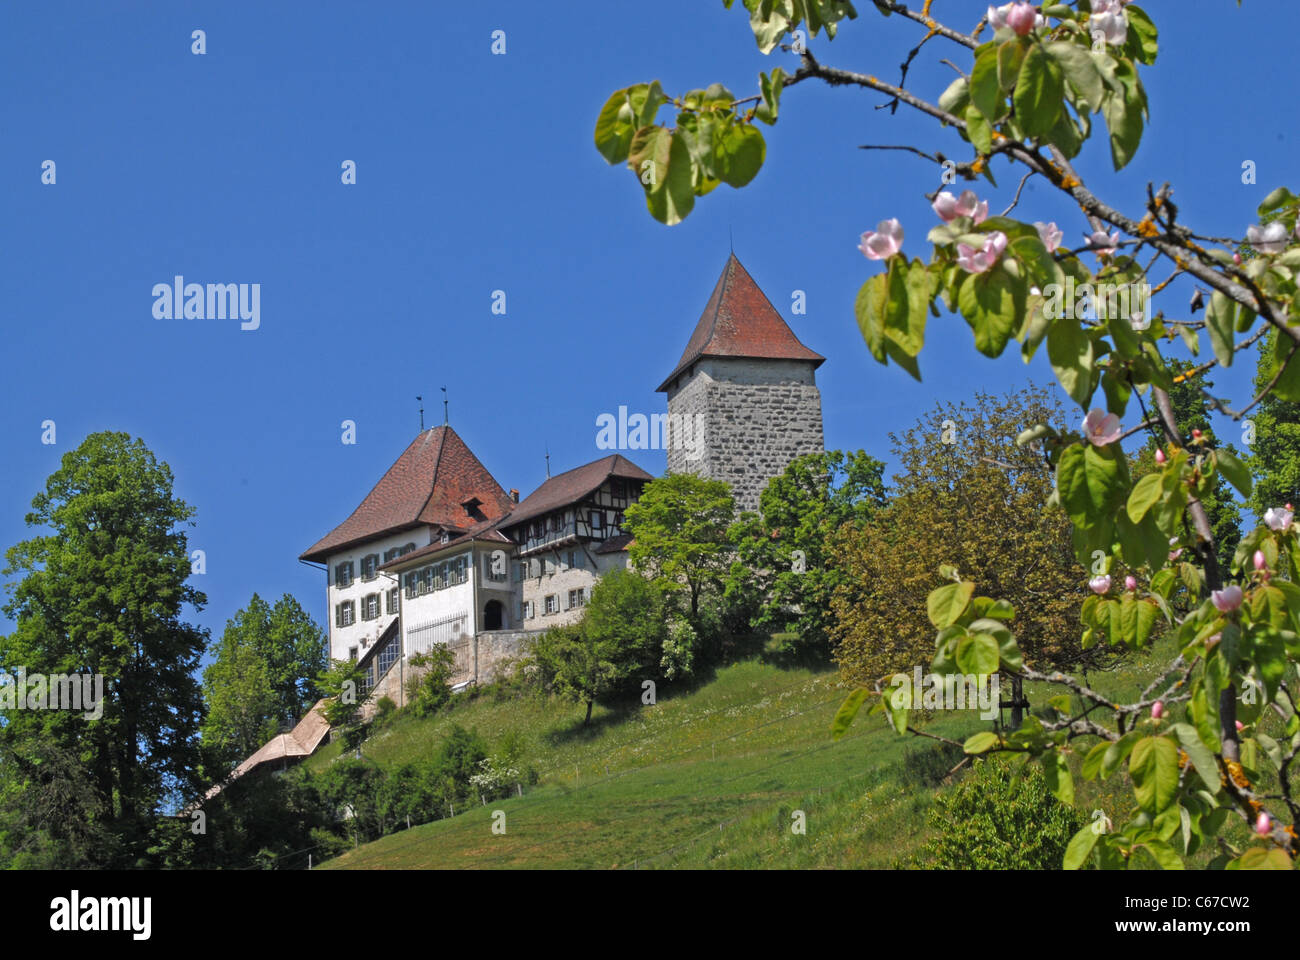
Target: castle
[{"x": 439, "y": 553}]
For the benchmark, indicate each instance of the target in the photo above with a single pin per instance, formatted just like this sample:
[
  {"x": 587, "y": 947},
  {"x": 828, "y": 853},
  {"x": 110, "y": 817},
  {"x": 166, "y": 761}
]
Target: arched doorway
[{"x": 493, "y": 615}]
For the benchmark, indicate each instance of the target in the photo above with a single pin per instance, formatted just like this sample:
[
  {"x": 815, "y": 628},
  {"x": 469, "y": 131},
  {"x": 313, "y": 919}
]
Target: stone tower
[{"x": 749, "y": 386}]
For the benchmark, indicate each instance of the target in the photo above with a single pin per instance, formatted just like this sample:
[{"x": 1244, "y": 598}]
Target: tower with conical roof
[{"x": 743, "y": 400}]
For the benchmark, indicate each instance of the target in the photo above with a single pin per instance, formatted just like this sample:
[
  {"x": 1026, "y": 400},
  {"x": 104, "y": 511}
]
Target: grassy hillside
[{"x": 706, "y": 778}]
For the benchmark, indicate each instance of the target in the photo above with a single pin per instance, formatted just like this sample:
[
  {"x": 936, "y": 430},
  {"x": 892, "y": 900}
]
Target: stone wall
[
  {"x": 757, "y": 415},
  {"x": 479, "y": 659}
]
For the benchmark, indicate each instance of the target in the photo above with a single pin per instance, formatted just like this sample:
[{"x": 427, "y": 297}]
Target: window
[
  {"x": 345, "y": 614},
  {"x": 370, "y": 606},
  {"x": 343, "y": 574},
  {"x": 552, "y": 603},
  {"x": 520, "y": 569},
  {"x": 597, "y": 519},
  {"x": 352, "y": 654},
  {"x": 575, "y": 559},
  {"x": 412, "y": 581},
  {"x": 369, "y": 565},
  {"x": 576, "y": 599},
  {"x": 392, "y": 600},
  {"x": 527, "y": 610},
  {"x": 427, "y": 580},
  {"x": 495, "y": 565},
  {"x": 390, "y": 554},
  {"x": 407, "y": 549},
  {"x": 387, "y": 656}
]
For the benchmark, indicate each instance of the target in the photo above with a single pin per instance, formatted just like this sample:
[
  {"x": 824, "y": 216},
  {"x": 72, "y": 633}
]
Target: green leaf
[
  {"x": 1092, "y": 762},
  {"x": 1080, "y": 848},
  {"x": 1201, "y": 756},
  {"x": 847, "y": 711},
  {"x": 663, "y": 163},
  {"x": 1162, "y": 853},
  {"x": 978, "y": 653},
  {"x": 1123, "y": 109},
  {"x": 1056, "y": 772},
  {"x": 1262, "y": 858},
  {"x": 945, "y": 605},
  {"x": 979, "y": 131},
  {"x": 1142, "y": 35},
  {"x": 1233, "y": 470},
  {"x": 738, "y": 153},
  {"x": 1145, "y": 493},
  {"x": 1070, "y": 352},
  {"x": 992, "y": 303},
  {"x": 981, "y": 742},
  {"x": 870, "y": 311},
  {"x": 615, "y": 126},
  {"x": 770, "y": 87},
  {"x": 1153, "y": 767},
  {"x": 1089, "y": 481},
  {"x": 1219, "y": 318},
  {"x": 1011, "y": 55},
  {"x": 985, "y": 89},
  {"x": 1080, "y": 71},
  {"x": 1039, "y": 91}
]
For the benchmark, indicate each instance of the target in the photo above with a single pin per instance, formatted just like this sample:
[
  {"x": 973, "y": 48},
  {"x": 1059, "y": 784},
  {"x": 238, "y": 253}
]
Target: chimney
[{"x": 514, "y": 495}]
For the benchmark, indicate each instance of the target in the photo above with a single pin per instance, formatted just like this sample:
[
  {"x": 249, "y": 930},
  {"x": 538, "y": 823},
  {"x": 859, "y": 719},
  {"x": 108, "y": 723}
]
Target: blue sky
[{"x": 477, "y": 173}]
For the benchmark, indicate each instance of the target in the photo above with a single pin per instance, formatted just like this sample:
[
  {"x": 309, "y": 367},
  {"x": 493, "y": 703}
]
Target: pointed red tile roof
[
  {"x": 739, "y": 321},
  {"x": 428, "y": 484}
]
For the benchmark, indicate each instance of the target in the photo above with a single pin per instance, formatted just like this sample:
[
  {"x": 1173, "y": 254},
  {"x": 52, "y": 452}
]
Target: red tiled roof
[
  {"x": 572, "y": 485},
  {"x": 428, "y": 484},
  {"x": 739, "y": 321}
]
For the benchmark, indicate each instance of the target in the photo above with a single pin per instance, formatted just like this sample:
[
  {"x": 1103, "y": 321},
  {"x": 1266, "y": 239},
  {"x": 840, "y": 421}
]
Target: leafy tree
[
  {"x": 102, "y": 592},
  {"x": 342, "y": 684},
  {"x": 782, "y": 553},
  {"x": 1275, "y": 453},
  {"x": 242, "y": 707},
  {"x": 969, "y": 496},
  {"x": 619, "y": 639},
  {"x": 999, "y": 818},
  {"x": 679, "y": 529},
  {"x": 430, "y": 691}
]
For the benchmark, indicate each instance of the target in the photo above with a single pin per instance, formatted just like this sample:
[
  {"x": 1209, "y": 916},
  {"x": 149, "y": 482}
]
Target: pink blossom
[
  {"x": 1099, "y": 585},
  {"x": 1261, "y": 561},
  {"x": 1240, "y": 726},
  {"x": 1177, "y": 552},
  {"x": 1263, "y": 824},
  {"x": 977, "y": 261},
  {"x": 1103, "y": 245},
  {"x": 1050, "y": 234},
  {"x": 1236, "y": 258},
  {"x": 1160, "y": 456},
  {"x": 1130, "y": 582},
  {"x": 1269, "y": 239},
  {"x": 1227, "y": 599},
  {"x": 949, "y": 208},
  {"x": 1100, "y": 427},
  {"x": 1022, "y": 18},
  {"x": 883, "y": 242},
  {"x": 1157, "y": 710},
  {"x": 1109, "y": 19},
  {"x": 1278, "y": 519}
]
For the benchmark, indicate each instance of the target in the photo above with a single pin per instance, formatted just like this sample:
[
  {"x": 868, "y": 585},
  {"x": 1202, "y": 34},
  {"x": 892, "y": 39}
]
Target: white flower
[
  {"x": 1269, "y": 239},
  {"x": 1278, "y": 518}
]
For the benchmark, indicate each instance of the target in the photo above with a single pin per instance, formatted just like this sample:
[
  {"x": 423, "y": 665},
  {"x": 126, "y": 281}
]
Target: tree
[
  {"x": 679, "y": 535},
  {"x": 342, "y": 685},
  {"x": 782, "y": 551},
  {"x": 243, "y": 712},
  {"x": 969, "y": 496},
  {"x": 102, "y": 593},
  {"x": 1030, "y": 81},
  {"x": 620, "y": 638},
  {"x": 1275, "y": 453},
  {"x": 430, "y": 691}
]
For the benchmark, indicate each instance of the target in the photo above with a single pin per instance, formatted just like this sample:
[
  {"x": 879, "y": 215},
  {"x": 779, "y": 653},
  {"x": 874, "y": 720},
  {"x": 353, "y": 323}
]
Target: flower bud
[
  {"x": 1130, "y": 582},
  {"x": 1240, "y": 726},
  {"x": 1160, "y": 456},
  {"x": 1264, "y": 824},
  {"x": 1261, "y": 561},
  {"x": 1100, "y": 584},
  {"x": 1236, "y": 258},
  {"x": 1157, "y": 710}
]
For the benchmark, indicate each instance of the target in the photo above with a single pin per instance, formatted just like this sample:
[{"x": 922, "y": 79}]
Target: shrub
[
  {"x": 1002, "y": 817},
  {"x": 430, "y": 691}
]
